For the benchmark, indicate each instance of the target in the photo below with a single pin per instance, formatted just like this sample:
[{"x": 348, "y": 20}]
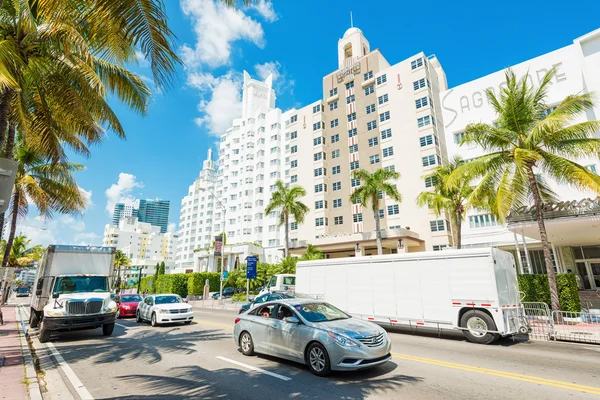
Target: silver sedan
[{"x": 314, "y": 333}]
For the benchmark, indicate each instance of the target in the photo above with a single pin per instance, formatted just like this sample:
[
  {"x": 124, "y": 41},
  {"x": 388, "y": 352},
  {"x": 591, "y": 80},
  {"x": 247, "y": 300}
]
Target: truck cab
[
  {"x": 72, "y": 290},
  {"x": 280, "y": 283}
]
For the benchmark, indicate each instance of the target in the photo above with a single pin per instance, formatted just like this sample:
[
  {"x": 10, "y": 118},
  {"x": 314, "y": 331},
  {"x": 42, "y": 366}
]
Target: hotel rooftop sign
[{"x": 555, "y": 210}]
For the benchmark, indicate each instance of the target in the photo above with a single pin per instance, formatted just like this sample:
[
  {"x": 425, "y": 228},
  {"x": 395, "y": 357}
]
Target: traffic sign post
[{"x": 251, "y": 262}]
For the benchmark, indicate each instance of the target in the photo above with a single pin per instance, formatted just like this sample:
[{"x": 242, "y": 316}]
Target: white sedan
[{"x": 164, "y": 309}]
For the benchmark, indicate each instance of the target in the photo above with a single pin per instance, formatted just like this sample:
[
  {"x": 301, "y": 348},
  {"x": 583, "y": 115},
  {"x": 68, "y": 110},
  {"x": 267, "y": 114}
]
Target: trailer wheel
[
  {"x": 479, "y": 320},
  {"x": 34, "y": 319}
]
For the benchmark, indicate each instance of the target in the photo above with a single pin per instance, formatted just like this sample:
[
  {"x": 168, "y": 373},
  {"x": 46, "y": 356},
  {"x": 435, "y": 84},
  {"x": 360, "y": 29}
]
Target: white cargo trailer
[{"x": 474, "y": 290}]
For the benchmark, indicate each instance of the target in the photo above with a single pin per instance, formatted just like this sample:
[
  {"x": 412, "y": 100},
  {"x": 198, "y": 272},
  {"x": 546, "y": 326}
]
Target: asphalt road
[{"x": 201, "y": 361}]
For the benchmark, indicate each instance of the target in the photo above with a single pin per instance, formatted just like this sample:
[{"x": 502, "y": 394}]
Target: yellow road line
[
  {"x": 503, "y": 374},
  {"x": 213, "y": 324},
  {"x": 479, "y": 370}
]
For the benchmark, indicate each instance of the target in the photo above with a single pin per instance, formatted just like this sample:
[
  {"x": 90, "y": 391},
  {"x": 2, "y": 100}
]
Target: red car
[{"x": 128, "y": 305}]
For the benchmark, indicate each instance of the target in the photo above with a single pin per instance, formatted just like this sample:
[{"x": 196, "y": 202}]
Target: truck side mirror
[
  {"x": 55, "y": 295},
  {"x": 38, "y": 292}
]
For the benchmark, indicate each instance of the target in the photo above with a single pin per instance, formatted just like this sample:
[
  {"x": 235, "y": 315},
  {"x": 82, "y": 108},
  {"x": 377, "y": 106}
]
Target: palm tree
[
  {"x": 450, "y": 200},
  {"x": 21, "y": 255},
  {"x": 312, "y": 253},
  {"x": 373, "y": 186},
  {"x": 287, "y": 201},
  {"x": 525, "y": 141},
  {"x": 50, "y": 186},
  {"x": 121, "y": 260}
]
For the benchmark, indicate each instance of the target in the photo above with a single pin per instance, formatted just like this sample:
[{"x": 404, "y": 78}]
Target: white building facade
[
  {"x": 571, "y": 228},
  {"x": 143, "y": 244}
]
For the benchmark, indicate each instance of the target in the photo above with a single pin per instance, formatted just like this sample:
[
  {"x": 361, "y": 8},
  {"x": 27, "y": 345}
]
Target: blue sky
[{"x": 297, "y": 41}]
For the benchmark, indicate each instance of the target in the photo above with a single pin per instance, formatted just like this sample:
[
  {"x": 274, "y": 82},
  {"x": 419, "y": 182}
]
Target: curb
[{"x": 33, "y": 388}]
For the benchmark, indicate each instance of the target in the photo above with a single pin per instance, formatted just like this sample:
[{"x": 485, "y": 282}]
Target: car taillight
[{"x": 236, "y": 321}]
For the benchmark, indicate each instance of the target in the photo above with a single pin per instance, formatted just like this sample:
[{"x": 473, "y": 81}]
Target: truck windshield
[
  {"x": 272, "y": 282},
  {"x": 81, "y": 284},
  {"x": 23, "y": 290}
]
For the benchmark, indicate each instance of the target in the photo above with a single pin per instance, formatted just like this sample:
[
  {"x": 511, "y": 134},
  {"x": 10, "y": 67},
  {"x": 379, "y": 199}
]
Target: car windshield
[
  {"x": 81, "y": 284},
  {"x": 277, "y": 296},
  {"x": 320, "y": 312},
  {"x": 168, "y": 299},
  {"x": 131, "y": 298}
]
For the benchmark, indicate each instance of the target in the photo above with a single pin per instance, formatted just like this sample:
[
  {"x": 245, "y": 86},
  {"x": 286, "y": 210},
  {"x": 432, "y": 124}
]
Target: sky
[{"x": 296, "y": 41}]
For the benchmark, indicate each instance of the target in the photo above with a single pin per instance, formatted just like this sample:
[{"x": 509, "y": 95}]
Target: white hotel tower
[{"x": 251, "y": 160}]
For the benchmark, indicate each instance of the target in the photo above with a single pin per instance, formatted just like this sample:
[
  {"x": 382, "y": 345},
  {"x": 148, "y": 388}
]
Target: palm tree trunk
[
  {"x": 458, "y": 222},
  {"x": 4, "y": 108},
  {"x": 287, "y": 242},
  {"x": 1, "y": 225},
  {"x": 10, "y": 143},
  {"x": 377, "y": 227},
  {"x": 13, "y": 227},
  {"x": 537, "y": 200}
]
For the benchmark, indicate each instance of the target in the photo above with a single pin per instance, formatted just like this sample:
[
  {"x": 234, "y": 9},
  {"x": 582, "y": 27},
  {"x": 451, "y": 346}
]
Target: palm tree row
[{"x": 59, "y": 62}]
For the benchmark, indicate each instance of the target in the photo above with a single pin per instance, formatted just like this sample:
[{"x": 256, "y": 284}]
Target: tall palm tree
[
  {"x": 50, "y": 186},
  {"x": 372, "y": 186},
  {"x": 312, "y": 253},
  {"x": 526, "y": 141},
  {"x": 287, "y": 200},
  {"x": 121, "y": 260},
  {"x": 451, "y": 200},
  {"x": 21, "y": 254}
]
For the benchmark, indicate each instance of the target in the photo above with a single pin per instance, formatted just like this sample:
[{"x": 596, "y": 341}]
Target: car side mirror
[
  {"x": 292, "y": 320},
  {"x": 55, "y": 295}
]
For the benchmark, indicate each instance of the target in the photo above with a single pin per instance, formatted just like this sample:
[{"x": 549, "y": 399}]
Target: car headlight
[
  {"x": 163, "y": 311},
  {"x": 343, "y": 340},
  {"x": 55, "y": 313}
]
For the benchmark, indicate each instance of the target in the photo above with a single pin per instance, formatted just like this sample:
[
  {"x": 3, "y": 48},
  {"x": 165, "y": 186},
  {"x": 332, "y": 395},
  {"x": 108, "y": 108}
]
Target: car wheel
[
  {"x": 153, "y": 320},
  {"x": 318, "y": 360},
  {"x": 187, "y": 322},
  {"x": 246, "y": 344},
  {"x": 138, "y": 317},
  {"x": 478, "y": 320}
]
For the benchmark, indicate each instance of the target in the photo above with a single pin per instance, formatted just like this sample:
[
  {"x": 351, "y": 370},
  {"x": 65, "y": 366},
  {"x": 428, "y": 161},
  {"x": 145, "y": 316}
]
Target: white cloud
[
  {"x": 172, "y": 227},
  {"x": 88, "y": 238},
  {"x": 265, "y": 8},
  {"x": 122, "y": 191},
  {"x": 44, "y": 231},
  {"x": 224, "y": 104},
  {"x": 268, "y": 68},
  {"x": 87, "y": 195},
  {"x": 216, "y": 27},
  {"x": 141, "y": 59}
]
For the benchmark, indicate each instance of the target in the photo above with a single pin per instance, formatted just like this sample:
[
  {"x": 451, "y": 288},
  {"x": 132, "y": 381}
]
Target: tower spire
[{"x": 351, "y": 21}]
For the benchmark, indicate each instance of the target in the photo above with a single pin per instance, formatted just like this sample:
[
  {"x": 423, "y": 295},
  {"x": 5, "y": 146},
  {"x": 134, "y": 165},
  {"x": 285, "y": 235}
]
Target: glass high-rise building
[{"x": 153, "y": 212}]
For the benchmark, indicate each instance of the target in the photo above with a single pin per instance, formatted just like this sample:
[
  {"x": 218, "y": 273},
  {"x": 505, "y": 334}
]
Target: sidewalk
[
  {"x": 214, "y": 304},
  {"x": 12, "y": 370}
]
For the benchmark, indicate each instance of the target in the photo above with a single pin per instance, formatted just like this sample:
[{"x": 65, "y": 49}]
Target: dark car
[
  {"x": 264, "y": 298},
  {"x": 227, "y": 292}
]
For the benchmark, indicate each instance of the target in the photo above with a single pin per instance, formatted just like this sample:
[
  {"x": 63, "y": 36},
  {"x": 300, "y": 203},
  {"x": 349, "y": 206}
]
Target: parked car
[
  {"x": 164, "y": 309},
  {"x": 128, "y": 305},
  {"x": 314, "y": 333},
  {"x": 227, "y": 292},
  {"x": 263, "y": 299}
]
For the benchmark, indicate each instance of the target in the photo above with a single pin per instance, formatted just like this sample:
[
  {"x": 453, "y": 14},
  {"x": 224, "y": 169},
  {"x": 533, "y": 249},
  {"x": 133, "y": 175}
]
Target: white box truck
[
  {"x": 72, "y": 290},
  {"x": 475, "y": 290}
]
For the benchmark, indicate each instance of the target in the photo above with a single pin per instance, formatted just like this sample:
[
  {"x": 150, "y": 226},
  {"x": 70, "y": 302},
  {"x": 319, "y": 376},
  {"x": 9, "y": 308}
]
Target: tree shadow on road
[
  {"x": 195, "y": 382},
  {"x": 148, "y": 346}
]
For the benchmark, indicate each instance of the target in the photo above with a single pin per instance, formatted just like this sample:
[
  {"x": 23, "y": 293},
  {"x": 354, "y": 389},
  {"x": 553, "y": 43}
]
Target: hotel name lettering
[
  {"x": 468, "y": 103},
  {"x": 352, "y": 69},
  {"x": 574, "y": 207}
]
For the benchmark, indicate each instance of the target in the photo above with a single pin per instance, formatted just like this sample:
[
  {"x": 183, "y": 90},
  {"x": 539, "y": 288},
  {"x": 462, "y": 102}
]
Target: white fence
[{"x": 581, "y": 326}]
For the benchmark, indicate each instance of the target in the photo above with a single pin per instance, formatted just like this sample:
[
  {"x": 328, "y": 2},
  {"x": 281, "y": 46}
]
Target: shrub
[
  {"x": 196, "y": 281},
  {"x": 536, "y": 288}
]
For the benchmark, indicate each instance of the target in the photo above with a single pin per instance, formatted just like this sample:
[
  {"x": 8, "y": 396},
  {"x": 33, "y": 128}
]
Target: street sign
[
  {"x": 225, "y": 274},
  {"x": 8, "y": 173},
  {"x": 251, "y": 267}
]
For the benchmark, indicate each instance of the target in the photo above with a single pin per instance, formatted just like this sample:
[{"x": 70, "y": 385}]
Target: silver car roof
[{"x": 294, "y": 301}]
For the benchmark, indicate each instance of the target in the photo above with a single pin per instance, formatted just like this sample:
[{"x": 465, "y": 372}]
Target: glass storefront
[{"x": 587, "y": 259}]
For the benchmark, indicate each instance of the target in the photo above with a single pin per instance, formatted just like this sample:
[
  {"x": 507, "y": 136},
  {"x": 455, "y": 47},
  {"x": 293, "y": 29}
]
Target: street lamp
[{"x": 223, "y": 238}]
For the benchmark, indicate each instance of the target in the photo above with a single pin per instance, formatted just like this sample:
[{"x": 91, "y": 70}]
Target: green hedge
[
  {"x": 171, "y": 283},
  {"x": 195, "y": 283},
  {"x": 536, "y": 288}
]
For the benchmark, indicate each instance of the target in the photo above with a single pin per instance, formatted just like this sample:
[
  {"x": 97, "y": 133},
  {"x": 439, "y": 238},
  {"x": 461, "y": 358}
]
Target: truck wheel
[
  {"x": 318, "y": 360},
  {"x": 44, "y": 335},
  {"x": 34, "y": 319},
  {"x": 107, "y": 329},
  {"x": 478, "y": 320}
]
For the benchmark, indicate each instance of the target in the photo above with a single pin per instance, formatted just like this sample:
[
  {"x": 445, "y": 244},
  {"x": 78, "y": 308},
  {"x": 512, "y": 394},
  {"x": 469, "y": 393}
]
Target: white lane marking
[
  {"x": 250, "y": 367},
  {"x": 79, "y": 387},
  {"x": 122, "y": 326}
]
